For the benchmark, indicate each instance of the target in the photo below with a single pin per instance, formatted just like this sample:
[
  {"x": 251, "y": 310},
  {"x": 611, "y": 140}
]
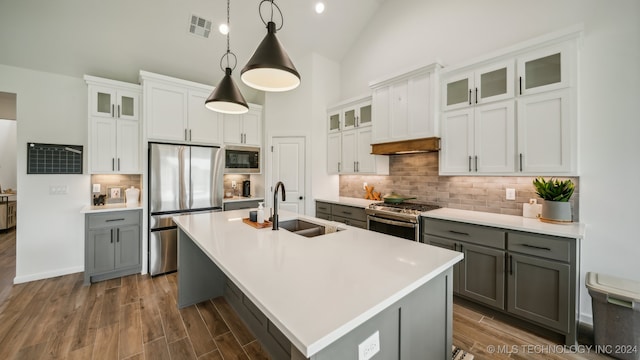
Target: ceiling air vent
[{"x": 200, "y": 26}]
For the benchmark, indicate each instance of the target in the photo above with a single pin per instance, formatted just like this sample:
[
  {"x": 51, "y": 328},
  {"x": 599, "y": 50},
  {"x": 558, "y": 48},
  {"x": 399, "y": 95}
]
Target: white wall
[
  {"x": 302, "y": 112},
  {"x": 8, "y": 178},
  {"x": 405, "y": 33},
  {"x": 50, "y": 236}
]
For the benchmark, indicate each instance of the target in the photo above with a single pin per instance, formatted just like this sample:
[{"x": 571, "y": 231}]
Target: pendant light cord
[{"x": 228, "y": 54}]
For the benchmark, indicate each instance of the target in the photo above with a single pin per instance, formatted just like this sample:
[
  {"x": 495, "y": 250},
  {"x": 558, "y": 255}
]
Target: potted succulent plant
[{"x": 556, "y": 194}]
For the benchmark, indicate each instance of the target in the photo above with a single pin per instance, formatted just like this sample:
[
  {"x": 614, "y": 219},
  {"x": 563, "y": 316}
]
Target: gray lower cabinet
[
  {"x": 349, "y": 215},
  {"x": 530, "y": 276},
  {"x": 244, "y": 204},
  {"x": 112, "y": 245}
]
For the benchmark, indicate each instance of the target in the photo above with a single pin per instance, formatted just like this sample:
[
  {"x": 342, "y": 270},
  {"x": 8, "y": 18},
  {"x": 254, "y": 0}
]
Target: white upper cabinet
[
  {"x": 546, "y": 69},
  {"x": 114, "y": 126},
  {"x": 244, "y": 129},
  {"x": 547, "y": 134},
  {"x": 356, "y": 155},
  {"x": 175, "y": 111},
  {"x": 485, "y": 84},
  {"x": 404, "y": 106},
  {"x": 334, "y": 153},
  {"x": 497, "y": 120},
  {"x": 112, "y": 102}
]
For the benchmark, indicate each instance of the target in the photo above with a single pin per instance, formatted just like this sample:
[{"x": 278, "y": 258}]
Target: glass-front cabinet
[
  {"x": 544, "y": 70},
  {"x": 334, "y": 122},
  {"x": 109, "y": 102},
  {"x": 485, "y": 84},
  {"x": 357, "y": 115}
]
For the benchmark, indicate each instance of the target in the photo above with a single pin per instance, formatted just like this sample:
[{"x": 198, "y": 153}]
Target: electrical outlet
[
  {"x": 364, "y": 185},
  {"x": 233, "y": 184},
  {"x": 58, "y": 190},
  {"x": 511, "y": 194},
  {"x": 96, "y": 188},
  {"x": 369, "y": 347}
]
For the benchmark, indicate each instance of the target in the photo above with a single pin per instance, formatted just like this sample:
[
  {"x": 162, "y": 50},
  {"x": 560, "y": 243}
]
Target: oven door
[{"x": 404, "y": 229}]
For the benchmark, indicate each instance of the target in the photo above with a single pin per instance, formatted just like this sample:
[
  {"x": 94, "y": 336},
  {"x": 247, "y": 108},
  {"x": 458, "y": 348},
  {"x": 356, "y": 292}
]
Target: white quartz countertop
[
  {"x": 511, "y": 222},
  {"x": 110, "y": 207},
  {"x": 315, "y": 290},
  {"x": 241, "y": 198},
  {"x": 350, "y": 201}
]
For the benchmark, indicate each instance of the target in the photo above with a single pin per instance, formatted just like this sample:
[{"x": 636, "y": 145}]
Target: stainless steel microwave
[{"x": 242, "y": 160}]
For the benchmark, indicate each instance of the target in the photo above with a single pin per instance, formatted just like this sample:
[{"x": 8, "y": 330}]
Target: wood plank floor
[{"x": 136, "y": 317}]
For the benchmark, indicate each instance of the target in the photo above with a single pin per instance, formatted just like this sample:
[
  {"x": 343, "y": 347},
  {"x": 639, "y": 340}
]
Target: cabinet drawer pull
[
  {"x": 459, "y": 233},
  {"x": 346, "y": 213},
  {"x": 110, "y": 220},
  {"x": 510, "y": 264},
  {"x": 536, "y": 247}
]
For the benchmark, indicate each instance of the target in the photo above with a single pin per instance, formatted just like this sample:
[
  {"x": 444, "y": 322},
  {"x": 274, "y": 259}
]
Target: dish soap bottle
[{"x": 260, "y": 214}]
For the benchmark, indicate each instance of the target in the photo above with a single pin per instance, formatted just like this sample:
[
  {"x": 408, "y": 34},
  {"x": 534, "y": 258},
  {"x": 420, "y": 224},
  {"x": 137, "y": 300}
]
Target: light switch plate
[
  {"x": 368, "y": 348},
  {"x": 511, "y": 194},
  {"x": 96, "y": 188}
]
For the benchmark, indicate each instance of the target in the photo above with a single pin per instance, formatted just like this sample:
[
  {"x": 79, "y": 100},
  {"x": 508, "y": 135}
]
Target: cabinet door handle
[
  {"x": 469, "y": 96},
  {"x": 354, "y": 167},
  {"x": 476, "y": 163},
  {"x": 358, "y": 165},
  {"x": 185, "y": 134},
  {"x": 111, "y": 235},
  {"x": 537, "y": 247},
  {"x": 113, "y": 113},
  {"x": 520, "y": 162},
  {"x": 338, "y": 166},
  {"x": 520, "y": 84},
  {"x": 461, "y": 248},
  {"x": 118, "y": 111},
  {"x": 469, "y": 163},
  {"x": 189, "y": 134},
  {"x": 459, "y": 233},
  {"x": 118, "y": 164},
  {"x": 113, "y": 164},
  {"x": 511, "y": 264},
  {"x": 476, "y": 95}
]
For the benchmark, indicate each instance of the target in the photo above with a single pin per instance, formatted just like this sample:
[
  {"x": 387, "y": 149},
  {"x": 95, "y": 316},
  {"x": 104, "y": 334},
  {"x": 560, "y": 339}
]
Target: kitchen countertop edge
[
  {"x": 349, "y": 201},
  {"x": 242, "y": 198},
  {"x": 110, "y": 207},
  {"x": 510, "y": 222}
]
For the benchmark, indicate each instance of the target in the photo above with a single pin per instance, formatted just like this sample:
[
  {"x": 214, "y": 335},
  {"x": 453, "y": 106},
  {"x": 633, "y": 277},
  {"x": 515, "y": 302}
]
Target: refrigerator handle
[{"x": 182, "y": 177}]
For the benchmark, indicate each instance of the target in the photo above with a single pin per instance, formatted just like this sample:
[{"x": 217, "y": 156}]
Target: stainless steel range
[{"x": 400, "y": 220}]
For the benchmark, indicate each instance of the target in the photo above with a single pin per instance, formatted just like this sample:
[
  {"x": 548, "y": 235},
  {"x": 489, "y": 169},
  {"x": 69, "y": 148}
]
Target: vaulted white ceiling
[{"x": 117, "y": 38}]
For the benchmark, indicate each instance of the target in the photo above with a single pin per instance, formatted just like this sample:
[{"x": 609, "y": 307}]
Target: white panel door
[
  {"x": 457, "y": 142},
  {"x": 205, "y": 126},
  {"x": 334, "y": 147},
  {"x": 495, "y": 138},
  {"x": 289, "y": 167},
  {"x": 545, "y": 138},
  {"x": 167, "y": 113}
]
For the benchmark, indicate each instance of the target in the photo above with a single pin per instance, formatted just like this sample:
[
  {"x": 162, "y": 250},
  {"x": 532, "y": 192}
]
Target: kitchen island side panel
[{"x": 199, "y": 278}]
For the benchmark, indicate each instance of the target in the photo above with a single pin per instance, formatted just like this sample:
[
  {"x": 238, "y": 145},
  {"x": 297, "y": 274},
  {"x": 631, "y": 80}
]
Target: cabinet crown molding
[
  {"x": 94, "y": 80},
  {"x": 403, "y": 75}
]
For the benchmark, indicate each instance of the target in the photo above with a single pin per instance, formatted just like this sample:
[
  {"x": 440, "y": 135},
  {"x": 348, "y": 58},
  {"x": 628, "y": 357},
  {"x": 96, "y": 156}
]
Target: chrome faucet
[{"x": 275, "y": 203}]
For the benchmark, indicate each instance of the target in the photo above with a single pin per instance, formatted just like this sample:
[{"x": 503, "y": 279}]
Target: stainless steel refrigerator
[{"x": 182, "y": 179}]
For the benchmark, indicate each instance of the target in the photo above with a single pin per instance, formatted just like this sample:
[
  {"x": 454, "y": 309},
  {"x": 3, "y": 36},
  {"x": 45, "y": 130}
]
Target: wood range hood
[{"x": 407, "y": 146}]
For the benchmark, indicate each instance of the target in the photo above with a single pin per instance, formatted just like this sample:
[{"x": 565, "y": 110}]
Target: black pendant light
[
  {"x": 226, "y": 97},
  {"x": 270, "y": 68}
]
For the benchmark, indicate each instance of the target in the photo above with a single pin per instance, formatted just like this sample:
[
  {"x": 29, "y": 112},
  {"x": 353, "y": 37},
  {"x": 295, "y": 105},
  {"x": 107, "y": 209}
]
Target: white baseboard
[{"x": 47, "y": 275}]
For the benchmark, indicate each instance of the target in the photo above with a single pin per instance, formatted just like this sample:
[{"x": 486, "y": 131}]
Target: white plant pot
[{"x": 556, "y": 211}]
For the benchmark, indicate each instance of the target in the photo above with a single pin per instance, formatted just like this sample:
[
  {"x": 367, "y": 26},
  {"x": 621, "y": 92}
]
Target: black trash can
[{"x": 616, "y": 315}]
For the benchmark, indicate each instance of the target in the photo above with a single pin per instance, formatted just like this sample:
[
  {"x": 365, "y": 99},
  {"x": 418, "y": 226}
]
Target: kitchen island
[{"x": 324, "y": 297}]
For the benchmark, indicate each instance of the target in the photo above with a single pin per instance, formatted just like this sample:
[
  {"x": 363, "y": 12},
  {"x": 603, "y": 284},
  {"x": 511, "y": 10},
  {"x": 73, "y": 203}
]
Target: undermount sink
[{"x": 304, "y": 228}]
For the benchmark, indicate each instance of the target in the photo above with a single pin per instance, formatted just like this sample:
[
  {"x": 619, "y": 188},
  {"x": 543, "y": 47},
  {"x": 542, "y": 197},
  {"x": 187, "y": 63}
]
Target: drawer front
[
  {"x": 475, "y": 234},
  {"x": 356, "y": 223},
  {"x": 236, "y": 205},
  {"x": 544, "y": 246},
  {"x": 323, "y": 207},
  {"x": 349, "y": 212},
  {"x": 323, "y": 216},
  {"x": 111, "y": 219}
]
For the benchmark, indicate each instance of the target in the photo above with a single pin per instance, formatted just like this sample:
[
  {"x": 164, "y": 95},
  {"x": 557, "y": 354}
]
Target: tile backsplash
[
  {"x": 121, "y": 182},
  {"x": 228, "y": 181},
  {"x": 417, "y": 175}
]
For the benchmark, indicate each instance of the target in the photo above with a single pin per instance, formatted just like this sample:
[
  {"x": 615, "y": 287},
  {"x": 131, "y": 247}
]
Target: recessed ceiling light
[
  {"x": 320, "y": 7},
  {"x": 224, "y": 29}
]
